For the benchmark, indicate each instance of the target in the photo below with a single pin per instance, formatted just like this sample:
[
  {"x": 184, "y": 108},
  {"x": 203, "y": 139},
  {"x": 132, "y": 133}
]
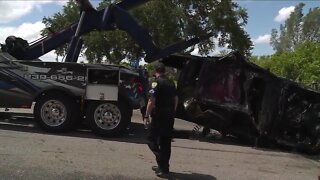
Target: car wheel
[
  {"x": 56, "y": 113},
  {"x": 316, "y": 147},
  {"x": 108, "y": 118},
  {"x": 311, "y": 148}
]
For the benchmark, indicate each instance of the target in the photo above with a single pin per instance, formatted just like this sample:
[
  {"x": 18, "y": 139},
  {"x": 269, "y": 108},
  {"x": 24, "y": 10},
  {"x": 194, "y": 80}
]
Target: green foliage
[
  {"x": 167, "y": 25},
  {"x": 302, "y": 64},
  {"x": 59, "y": 21},
  {"x": 171, "y": 73},
  {"x": 311, "y": 25},
  {"x": 297, "y": 29},
  {"x": 125, "y": 64},
  {"x": 297, "y": 46}
]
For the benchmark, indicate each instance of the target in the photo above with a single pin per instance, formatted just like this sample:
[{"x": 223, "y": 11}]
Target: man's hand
[
  {"x": 150, "y": 106},
  {"x": 146, "y": 121}
]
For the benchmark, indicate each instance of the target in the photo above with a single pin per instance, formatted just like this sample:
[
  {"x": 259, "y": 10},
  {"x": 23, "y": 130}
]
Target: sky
[{"x": 23, "y": 18}]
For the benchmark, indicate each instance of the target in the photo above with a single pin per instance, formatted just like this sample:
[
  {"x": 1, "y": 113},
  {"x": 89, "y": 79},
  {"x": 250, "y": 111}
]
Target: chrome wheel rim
[
  {"x": 53, "y": 113},
  {"x": 107, "y": 116}
]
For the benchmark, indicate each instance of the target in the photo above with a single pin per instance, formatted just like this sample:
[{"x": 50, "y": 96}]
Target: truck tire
[
  {"x": 108, "y": 118},
  {"x": 56, "y": 113}
]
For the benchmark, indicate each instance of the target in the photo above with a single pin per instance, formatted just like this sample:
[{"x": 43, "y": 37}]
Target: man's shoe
[
  {"x": 159, "y": 172},
  {"x": 162, "y": 173},
  {"x": 155, "y": 169}
]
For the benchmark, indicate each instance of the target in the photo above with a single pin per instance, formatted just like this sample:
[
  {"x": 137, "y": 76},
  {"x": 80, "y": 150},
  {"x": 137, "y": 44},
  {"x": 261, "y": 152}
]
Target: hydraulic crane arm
[
  {"x": 89, "y": 21},
  {"x": 110, "y": 18}
]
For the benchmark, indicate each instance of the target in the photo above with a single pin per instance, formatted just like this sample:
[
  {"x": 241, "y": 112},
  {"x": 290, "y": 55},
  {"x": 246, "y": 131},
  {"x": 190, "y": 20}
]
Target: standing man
[
  {"x": 161, "y": 106},
  {"x": 144, "y": 79}
]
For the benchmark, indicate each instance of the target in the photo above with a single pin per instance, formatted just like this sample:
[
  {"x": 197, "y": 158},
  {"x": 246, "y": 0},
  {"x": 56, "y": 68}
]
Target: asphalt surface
[{"x": 27, "y": 152}]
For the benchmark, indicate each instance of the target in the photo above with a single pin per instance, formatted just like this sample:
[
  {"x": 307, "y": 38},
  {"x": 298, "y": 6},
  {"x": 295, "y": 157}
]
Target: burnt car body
[{"x": 234, "y": 96}]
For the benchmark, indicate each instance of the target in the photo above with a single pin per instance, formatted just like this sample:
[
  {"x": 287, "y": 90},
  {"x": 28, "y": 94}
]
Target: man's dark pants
[{"x": 160, "y": 137}]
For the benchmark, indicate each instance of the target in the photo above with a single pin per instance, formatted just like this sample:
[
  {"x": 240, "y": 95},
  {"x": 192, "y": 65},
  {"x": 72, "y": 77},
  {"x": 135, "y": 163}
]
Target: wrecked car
[{"x": 234, "y": 96}]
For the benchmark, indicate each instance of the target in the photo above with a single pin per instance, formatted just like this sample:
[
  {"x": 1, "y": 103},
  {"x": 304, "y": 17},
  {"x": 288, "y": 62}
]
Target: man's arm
[
  {"x": 176, "y": 100},
  {"x": 150, "y": 106}
]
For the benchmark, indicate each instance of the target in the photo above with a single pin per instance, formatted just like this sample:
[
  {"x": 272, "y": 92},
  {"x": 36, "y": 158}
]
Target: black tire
[
  {"x": 56, "y": 113},
  {"x": 312, "y": 149},
  {"x": 108, "y": 118}
]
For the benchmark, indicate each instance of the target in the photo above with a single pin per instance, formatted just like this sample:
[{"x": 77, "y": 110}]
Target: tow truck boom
[{"x": 112, "y": 17}]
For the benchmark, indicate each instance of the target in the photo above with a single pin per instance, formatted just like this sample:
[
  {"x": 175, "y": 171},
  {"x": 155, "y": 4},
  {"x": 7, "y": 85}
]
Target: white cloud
[
  {"x": 12, "y": 10},
  {"x": 51, "y": 56},
  {"x": 31, "y": 32},
  {"x": 62, "y": 2},
  {"x": 27, "y": 31},
  {"x": 264, "y": 39},
  {"x": 284, "y": 14},
  {"x": 217, "y": 50}
]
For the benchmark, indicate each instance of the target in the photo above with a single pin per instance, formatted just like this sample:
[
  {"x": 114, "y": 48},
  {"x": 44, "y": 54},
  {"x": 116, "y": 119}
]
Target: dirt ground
[{"x": 26, "y": 152}]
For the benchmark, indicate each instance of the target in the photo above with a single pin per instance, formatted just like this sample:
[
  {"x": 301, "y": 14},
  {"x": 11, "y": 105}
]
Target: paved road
[{"x": 26, "y": 152}]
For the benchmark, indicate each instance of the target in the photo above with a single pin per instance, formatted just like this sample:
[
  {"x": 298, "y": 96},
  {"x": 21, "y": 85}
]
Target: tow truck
[{"x": 60, "y": 94}]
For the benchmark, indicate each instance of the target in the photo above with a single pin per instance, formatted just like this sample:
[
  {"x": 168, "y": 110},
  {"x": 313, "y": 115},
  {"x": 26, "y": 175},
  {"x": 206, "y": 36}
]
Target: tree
[
  {"x": 167, "y": 25},
  {"x": 302, "y": 64},
  {"x": 297, "y": 29},
  {"x": 311, "y": 26},
  {"x": 59, "y": 21}
]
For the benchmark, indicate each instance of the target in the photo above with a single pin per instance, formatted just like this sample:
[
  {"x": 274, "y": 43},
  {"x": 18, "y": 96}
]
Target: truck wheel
[
  {"x": 108, "y": 118},
  {"x": 56, "y": 113}
]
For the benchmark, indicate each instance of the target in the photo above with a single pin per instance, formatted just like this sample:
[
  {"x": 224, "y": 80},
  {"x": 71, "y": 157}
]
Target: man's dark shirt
[{"x": 164, "y": 92}]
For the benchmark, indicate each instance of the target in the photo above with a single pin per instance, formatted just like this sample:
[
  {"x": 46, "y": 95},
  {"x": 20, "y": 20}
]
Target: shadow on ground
[
  {"x": 188, "y": 176},
  {"x": 134, "y": 134}
]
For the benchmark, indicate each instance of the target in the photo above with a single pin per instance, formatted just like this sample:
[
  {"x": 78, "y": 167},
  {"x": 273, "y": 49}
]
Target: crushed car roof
[{"x": 178, "y": 61}]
